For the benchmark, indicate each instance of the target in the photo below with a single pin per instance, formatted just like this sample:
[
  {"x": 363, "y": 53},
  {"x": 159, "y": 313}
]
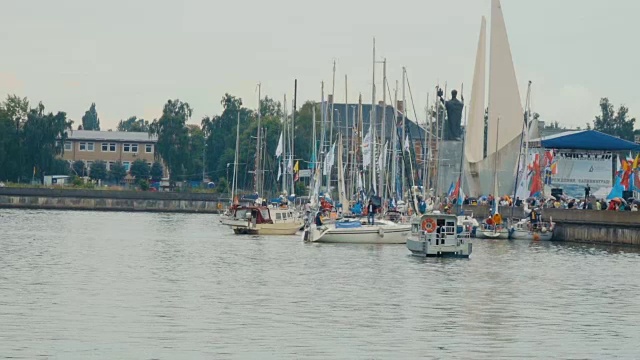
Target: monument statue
[{"x": 452, "y": 127}]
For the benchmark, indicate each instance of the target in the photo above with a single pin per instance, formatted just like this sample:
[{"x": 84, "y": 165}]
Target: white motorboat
[
  {"x": 356, "y": 231},
  {"x": 262, "y": 220},
  {"x": 524, "y": 230},
  {"x": 486, "y": 231},
  {"x": 439, "y": 235}
]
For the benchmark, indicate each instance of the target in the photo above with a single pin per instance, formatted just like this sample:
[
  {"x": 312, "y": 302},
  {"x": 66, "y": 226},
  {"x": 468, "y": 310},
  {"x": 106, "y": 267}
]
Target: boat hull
[
  {"x": 363, "y": 235},
  {"x": 531, "y": 235},
  {"x": 242, "y": 228},
  {"x": 485, "y": 234},
  {"x": 424, "y": 249}
]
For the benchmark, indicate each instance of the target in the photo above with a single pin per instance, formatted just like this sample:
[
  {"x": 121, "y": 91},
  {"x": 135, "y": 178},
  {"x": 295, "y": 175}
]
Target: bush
[{"x": 144, "y": 185}]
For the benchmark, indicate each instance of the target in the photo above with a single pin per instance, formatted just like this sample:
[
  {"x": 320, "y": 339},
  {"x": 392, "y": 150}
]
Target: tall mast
[
  {"x": 349, "y": 138},
  {"x": 322, "y": 128},
  {"x": 372, "y": 123},
  {"x": 234, "y": 184},
  {"x": 404, "y": 135},
  {"x": 464, "y": 138},
  {"x": 284, "y": 145},
  {"x": 383, "y": 131},
  {"x": 394, "y": 147},
  {"x": 427, "y": 150},
  {"x": 257, "y": 183},
  {"x": 292, "y": 137},
  {"x": 333, "y": 92},
  {"x": 495, "y": 168},
  {"x": 436, "y": 159}
]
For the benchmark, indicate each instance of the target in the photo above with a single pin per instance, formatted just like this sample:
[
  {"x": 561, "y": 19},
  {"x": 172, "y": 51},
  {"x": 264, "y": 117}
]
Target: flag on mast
[
  {"x": 279, "y": 148},
  {"x": 296, "y": 171},
  {"x": 406, "y": 143}
]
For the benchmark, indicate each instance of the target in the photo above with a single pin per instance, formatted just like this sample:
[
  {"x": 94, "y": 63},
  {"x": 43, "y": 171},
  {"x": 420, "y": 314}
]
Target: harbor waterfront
[
  {"x": 78, "y": 285},
  {"x": 591, "y": 226}
]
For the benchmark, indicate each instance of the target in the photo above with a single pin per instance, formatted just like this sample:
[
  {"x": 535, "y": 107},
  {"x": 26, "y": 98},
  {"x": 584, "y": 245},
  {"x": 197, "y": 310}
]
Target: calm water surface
[{"x": 92, "y": 285}]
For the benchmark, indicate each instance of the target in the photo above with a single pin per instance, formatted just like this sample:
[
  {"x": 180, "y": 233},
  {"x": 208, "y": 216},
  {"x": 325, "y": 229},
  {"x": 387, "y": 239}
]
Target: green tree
[
  {"x": 222, "y": 187},
  {"x": 133, "y": 124},
  {"x": 98, "y": 170},
  {"x": 156, "y": 171},
  {"x": 173, "y": 136},
  {"x": 194, "y": 163},
  {"x": 43, "y": 137},
  {"x": 90, "y": 120},
  {"x": 79, "y": 168},
  {"x": 614, "y": 123},
  {"x": 301, "y": 189},
  {"x": 117, "y": 172},
  {"x": 140, "y": 170}
]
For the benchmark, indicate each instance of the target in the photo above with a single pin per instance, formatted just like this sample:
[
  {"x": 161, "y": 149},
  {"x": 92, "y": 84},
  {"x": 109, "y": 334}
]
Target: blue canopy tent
[{"x": 584, "y": 140}]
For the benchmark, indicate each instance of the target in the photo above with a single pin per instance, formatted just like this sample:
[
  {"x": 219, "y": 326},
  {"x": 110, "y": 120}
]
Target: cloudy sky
[{"x": 130, "y": 56}]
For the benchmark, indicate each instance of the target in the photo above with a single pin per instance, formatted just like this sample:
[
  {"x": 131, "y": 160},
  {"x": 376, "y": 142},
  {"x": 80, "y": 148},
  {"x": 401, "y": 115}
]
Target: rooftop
[{"x": 110, "y": 136}]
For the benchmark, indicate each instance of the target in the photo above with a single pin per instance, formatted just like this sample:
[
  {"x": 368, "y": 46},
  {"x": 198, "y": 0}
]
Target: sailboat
[
  {"x": 495, "y": 173},
  {"x": 258, "y": 219},
  {"x": 355, "y": 231},
  {"x": 493, "y": 227}
]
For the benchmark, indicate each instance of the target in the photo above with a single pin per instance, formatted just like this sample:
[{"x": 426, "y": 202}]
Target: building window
[
  {"x": 108, "y": 147},
  {"x": 148, "y": 148},
  {"x": 130, "y": 148},
  {"x": 86, "y": 146},
  {"x": 127, "y": 165},
  {"x": 68, "y": 146},
  {"x": 110, "y": 165}
]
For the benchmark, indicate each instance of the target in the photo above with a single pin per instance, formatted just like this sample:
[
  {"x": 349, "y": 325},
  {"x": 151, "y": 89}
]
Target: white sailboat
[{"x": 503, "y": 142}]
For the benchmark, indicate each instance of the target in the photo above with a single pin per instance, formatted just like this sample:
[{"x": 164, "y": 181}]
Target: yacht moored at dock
[{"x": 439, "y": 235}]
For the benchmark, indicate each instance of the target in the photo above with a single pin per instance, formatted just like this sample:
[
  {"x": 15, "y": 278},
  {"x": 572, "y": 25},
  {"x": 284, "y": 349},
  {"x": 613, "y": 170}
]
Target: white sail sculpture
[
  {"x": 474, "y": 138},
  {"x": 504, "y": 104}
]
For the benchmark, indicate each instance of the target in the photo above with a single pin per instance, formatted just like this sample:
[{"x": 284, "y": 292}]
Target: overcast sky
[{"x": 130, "y": 56}]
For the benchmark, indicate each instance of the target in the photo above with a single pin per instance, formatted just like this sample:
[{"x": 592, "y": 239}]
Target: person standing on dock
[
  {"x": 587, "y": 192},
  {"x": 371, "y": 212}
]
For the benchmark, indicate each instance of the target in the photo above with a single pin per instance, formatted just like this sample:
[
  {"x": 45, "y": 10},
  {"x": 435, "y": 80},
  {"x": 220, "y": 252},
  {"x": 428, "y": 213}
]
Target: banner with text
[{"x": 580, "y": 169}]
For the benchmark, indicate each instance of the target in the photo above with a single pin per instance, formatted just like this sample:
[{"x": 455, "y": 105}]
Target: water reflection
[{"x": 129, "y": 285}]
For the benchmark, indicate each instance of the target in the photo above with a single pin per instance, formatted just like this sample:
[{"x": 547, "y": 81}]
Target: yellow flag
[
  {"x": 296, "y": 167},
  {"x": 635, "y": 162}
]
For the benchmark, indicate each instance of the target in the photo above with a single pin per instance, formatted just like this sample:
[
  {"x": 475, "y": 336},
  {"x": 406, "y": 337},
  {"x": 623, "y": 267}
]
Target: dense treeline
[{"x": 31, "y": 142}]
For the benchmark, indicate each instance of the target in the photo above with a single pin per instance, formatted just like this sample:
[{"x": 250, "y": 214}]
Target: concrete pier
[
  {"x": 109, "y": 200},
  {"x": 588, "y": 226}
]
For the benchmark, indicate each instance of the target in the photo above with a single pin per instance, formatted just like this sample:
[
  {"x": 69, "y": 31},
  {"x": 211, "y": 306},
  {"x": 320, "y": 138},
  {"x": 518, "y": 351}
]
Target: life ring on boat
[
  {"x": 219, "y": 206},
  {"x": 429, "y": 225}
]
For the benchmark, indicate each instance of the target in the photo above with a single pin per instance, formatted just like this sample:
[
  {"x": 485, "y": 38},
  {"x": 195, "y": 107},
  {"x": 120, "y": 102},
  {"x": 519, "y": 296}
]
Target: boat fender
[
  {"x": 544, "y": 230},
  {"x": 381, "y": 232},
  {"x": 219, "y": 206}
]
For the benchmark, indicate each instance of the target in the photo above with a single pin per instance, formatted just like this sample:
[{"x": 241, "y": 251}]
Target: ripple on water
[{"x": 129, "y": 285}]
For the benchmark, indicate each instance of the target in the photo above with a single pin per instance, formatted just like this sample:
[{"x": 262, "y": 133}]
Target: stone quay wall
[
  {"x": 110, "y": 200},
  {"x": 588, "y": 226}
]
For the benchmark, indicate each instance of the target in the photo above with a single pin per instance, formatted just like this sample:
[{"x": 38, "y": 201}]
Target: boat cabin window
[
  {"x": 278, "y": 216},
  {"x": 415, "y": 228},
  {"x": 284, "y": 216}
]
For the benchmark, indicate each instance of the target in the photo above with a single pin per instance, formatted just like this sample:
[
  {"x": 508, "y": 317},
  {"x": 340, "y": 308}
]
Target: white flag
[
  {"x": 290, "y": 165},
  {"x": 381, "y": 158},
  {"x": 279, "y": 171},
  {"x": 279, "y": 148},
  {"x": 406, "y": 143},
  {"x": 329, "y": 160},
  {"x": 366, "y": 149}
]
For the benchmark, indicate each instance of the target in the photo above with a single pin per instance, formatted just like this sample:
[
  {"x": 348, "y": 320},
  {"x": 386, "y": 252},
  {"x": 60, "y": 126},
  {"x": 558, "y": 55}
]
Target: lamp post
[{"x": 204, "y": 163}]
